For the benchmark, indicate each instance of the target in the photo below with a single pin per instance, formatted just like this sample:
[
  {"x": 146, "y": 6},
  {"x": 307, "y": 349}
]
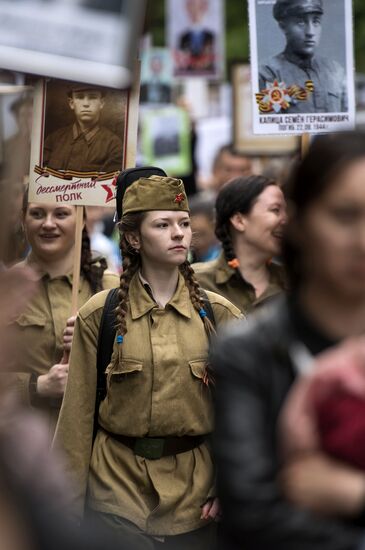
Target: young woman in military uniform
[
  {"x": 250, "y": 216},
  {"x": 149, "y": 471},
  {"x": 44, "y": 330}
]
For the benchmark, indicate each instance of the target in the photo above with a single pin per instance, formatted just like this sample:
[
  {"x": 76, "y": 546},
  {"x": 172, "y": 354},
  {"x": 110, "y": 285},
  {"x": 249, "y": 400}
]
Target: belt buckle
[{"x": 151, "y": 448}]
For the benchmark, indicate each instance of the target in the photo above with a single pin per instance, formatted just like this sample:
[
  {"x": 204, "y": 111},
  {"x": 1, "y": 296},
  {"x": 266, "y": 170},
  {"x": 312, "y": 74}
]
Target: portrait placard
[
  {"x": 302, "y": 66},
  {"x": 91, "y": 41},
  {"x": 195, "y": 35},
  {"x": 156, "y": 76},
  {"x": 165, "y": 140},
  {"x": 82, "y": 137}
]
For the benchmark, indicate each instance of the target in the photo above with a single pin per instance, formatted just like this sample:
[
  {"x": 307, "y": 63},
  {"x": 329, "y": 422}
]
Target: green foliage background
[{"x": 237, "y": 29}]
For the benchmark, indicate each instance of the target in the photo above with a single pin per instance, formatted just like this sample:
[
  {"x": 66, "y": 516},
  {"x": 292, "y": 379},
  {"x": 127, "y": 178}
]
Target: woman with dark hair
[
  {"x": 250, "y": 217},
  {"x": 272, "y": 498},
  {"x": 44, "y": 330},
  {"x": 149, "y": 470}
]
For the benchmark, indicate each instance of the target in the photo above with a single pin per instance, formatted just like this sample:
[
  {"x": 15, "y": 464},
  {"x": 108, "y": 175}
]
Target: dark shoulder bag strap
[{"x": 106, "y": 338}]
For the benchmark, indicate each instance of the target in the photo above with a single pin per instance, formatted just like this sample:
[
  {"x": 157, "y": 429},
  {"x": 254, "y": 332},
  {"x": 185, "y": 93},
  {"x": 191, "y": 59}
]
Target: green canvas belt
[{"x": 154, "y": 448}]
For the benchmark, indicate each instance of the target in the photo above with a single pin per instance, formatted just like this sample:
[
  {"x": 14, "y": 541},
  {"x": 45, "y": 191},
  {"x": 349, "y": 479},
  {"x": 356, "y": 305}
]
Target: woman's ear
[
  {"x": 238, "y": 221},
  {"x": 133, "y": 240}
]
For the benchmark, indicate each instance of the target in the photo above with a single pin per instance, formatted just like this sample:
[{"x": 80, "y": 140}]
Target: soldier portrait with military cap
[
  {"x": 78, "y": 137},
  {"x": 306, "y": 75}
]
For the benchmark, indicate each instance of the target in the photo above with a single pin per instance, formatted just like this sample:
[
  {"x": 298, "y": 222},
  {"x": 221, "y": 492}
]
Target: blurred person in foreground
[
  {"x": 326, "y": 409},
  {"x": 16, "y": 246},
  {"x": 33, "y": 490},
  {"x": 228, "y": 164},
  {"x": 205, "y": 246},
  {"x": 273, "y": 498},
  {"x": 250, "y": 220}
]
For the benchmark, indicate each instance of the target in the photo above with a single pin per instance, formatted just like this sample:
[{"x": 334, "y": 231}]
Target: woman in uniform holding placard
[{"x": 44, "y": 330}]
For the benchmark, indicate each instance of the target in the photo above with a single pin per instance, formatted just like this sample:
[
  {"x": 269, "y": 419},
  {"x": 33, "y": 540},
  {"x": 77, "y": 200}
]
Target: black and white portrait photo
[
  {"x": 196, "y": 37},
  {"x": 82, "y": 137},
  {"x": 81, "y": 134},
  {"x": 156, "y": 76},
  {"x": 302, "y": 65}
]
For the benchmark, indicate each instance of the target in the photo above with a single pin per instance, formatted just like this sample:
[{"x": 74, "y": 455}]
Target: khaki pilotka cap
[
  {"x": 287, "y": 8},
  {"x": 155, "y": 193}
]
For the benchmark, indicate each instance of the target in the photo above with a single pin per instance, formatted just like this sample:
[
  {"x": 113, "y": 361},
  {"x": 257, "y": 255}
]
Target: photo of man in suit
[
  {"x": 154, "y": 89},
  {"x": 196, "y": 47},
  {"x": 86, "y": 145},
  {"x": 301, "y": 21}
]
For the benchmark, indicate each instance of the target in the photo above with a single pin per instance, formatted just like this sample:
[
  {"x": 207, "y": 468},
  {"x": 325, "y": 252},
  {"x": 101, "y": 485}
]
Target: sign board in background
[
  {"x": 166, "y": 140},
  {"x": 59, "y": 172},
  {"x": 196, "y": 37},
  {"x": 90, "y": 41},
  {"x": 305, "y": 85},
  {"x": 156, "y": 76}
]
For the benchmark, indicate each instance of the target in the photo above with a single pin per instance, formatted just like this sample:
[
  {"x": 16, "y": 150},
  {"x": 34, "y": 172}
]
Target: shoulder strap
[
  {"x": 208, "y": 307},
  {"x": 106, "y": 338}
]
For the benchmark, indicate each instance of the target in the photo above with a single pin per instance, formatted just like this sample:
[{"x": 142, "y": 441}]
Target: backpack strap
[{"x": 106, "y": 338}]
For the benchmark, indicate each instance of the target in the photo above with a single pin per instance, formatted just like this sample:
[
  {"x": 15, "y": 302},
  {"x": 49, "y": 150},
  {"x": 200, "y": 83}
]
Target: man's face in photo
[
  {"x": 87, "y": 106},
  {"x": 196, "y": 9},
  {"x": 156, "y": 65},
  {"x": 303, "y": 33}
]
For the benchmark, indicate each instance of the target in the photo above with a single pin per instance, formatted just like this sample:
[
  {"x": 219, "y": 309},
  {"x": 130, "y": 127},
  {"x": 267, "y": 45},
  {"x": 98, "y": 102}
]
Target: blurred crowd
[{"x": 268, "y": 253}]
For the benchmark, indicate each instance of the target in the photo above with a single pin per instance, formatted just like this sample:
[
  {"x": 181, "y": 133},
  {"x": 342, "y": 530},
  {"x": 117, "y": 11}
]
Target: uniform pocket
[
  {"x": 31, "y": 319},
  {"x": 126, "y": 368}
]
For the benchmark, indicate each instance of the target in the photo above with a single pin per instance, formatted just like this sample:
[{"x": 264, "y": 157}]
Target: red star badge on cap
[{"x": 179, "y": 198}]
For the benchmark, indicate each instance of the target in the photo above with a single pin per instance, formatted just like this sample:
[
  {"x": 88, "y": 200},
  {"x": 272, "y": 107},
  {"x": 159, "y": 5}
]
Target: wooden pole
[
  {"x": 77, "y": 260},
  {"x": 305, "y": 142}
]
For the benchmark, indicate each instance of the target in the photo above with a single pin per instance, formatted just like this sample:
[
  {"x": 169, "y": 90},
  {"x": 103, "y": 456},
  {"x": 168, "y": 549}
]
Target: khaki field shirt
[
  {"x": 39, "y": 335},
  {"x": 218, "y": 277},
  {"x": 98, "y": 150},
  {"x": 156, "y": 390}
]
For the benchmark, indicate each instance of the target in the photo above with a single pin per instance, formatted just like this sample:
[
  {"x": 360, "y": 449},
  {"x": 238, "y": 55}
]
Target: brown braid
[
  {"x": 223, "y": 234},
  {"x": 131, "y": 264},
  {"x": 197, "y": 301},
  {"x": 91, "y": 269},
  {"x": 195, "y": 295}
]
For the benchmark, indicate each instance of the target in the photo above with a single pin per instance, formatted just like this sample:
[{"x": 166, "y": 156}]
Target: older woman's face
[{"x": 332, "y": 234}]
